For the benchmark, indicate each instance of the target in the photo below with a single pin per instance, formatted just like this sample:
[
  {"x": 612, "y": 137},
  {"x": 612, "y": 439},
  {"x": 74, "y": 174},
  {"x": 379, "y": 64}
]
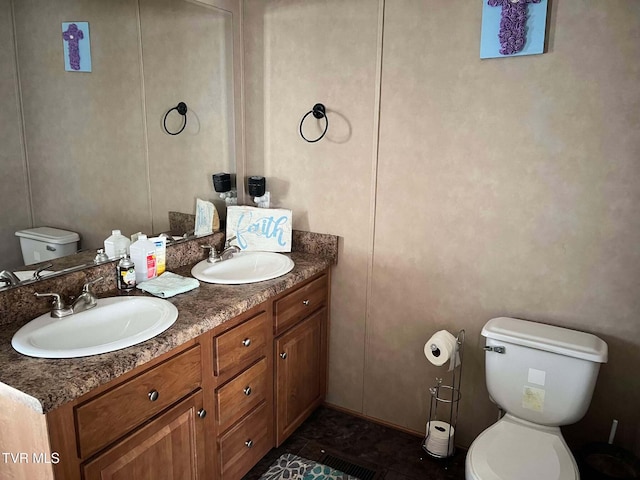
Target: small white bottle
[
  {"x": 143, "y": 255},
  {"x": 116, "y": 245}
]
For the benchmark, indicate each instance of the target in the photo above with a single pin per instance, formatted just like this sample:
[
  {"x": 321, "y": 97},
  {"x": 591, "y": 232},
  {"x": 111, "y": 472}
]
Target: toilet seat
[{"x": 514, "y": 449}]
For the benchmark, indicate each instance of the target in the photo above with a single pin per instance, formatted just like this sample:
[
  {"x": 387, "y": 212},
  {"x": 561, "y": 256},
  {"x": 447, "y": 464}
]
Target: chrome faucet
[
  {"x": 226, "y": 254},
  {"x": 84, "y": 301},
  {"x": 229, "y": 249},
  {"x": 9, "y": 278},
  {"x": 87, "y": 298},
  {"x": 59, "y": 309}
]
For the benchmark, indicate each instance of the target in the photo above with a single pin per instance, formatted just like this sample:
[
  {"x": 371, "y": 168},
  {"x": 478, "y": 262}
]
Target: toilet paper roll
[
  {"x": 441, "y": 348},
  {"x": 440, "y": 430},
  {"x": 439, "y": 438}
]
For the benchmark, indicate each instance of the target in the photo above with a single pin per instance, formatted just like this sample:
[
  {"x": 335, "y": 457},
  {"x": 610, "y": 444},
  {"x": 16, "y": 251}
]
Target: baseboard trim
[{"x": 374, "y": 420}]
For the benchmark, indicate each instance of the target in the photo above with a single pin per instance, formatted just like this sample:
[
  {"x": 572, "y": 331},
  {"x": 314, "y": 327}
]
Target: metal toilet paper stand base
[{"x": 443, "y": 408}]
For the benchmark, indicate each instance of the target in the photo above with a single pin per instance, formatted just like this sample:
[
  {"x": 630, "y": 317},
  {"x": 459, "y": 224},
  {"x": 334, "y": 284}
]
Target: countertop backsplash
[{"x": 20, "y": 305}]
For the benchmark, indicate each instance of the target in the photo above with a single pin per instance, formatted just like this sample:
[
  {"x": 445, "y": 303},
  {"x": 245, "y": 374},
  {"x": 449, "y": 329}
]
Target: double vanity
[{"x": 234, "y": 376}]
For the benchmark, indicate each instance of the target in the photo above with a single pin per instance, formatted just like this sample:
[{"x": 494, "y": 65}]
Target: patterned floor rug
[{"x": 292, "y": 467}]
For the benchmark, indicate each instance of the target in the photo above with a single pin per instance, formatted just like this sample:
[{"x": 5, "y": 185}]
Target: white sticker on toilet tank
[
  {"x": 536, "y": 377},
  {"x": 533, "y": 398}
]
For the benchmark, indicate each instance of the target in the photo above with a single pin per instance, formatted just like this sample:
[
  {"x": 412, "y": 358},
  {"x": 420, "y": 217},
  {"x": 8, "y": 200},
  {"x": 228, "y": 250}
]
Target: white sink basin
[
  {"x": 244, "y": 267},
  {"x": 115, "y": 323}
]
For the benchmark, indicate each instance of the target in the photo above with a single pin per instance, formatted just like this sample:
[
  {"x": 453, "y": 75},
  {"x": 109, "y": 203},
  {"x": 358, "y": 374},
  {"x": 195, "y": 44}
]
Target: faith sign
[
  {"x": 76, "y": 46},
  {"x": 263, "y": 229}
]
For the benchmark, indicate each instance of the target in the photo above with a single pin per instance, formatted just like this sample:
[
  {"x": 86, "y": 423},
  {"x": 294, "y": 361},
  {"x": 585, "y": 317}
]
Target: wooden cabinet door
[
  {"x": 171, "y": 447},
  {"x": 300, "y": 359}
]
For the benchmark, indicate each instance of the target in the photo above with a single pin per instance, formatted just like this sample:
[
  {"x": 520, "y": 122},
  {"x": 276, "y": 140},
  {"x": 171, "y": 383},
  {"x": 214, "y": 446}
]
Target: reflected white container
[{"x": 116, "y": 245}]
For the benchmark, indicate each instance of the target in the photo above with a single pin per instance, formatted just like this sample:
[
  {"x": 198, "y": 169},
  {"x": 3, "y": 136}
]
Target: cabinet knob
[
  {"x": 202, "y": 413},
  {"x": 306, "y": 302},
  {"x": 246, "y": 342},
  {"x": 247, "y": 390},
  {"x": 153, "y": 395},
  {"x": 283, "y": 355},
  {"x": 249, "y": 443}
]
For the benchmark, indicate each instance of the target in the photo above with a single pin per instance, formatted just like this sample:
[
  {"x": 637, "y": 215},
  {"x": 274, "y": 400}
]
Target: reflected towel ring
[
  {"x": 182, "y": 110},
  {"x": 319, "y": 112}
]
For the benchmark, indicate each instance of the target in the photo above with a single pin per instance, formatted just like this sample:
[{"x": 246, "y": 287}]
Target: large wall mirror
[{"x": 87, "y": 151}]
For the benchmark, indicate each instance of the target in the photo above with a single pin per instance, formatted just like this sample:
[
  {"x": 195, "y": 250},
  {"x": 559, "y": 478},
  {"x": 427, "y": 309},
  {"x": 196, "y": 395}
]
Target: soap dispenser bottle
[{"x": 143, "y": 255}]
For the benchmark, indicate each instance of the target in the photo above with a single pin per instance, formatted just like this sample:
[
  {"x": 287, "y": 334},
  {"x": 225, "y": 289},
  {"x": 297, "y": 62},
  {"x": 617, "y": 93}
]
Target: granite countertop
[{"x": 45, "y": 384}]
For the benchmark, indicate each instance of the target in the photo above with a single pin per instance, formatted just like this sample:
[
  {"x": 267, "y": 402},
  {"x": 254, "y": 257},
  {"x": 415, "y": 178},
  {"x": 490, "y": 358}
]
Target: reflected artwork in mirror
[{"x": 87, "y": 152}]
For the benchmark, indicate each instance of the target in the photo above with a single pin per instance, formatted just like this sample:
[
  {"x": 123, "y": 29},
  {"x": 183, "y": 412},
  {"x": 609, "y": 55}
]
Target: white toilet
[
  {"x": 46, "y": 243},
  {"x": 542, "y": 377}
]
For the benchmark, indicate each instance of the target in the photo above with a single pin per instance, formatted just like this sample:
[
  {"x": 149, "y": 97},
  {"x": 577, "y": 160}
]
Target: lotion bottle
[{"x": 161, "y": 254}]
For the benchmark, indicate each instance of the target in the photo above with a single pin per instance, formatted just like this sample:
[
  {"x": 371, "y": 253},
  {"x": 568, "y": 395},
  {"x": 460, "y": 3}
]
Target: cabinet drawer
[
  {"x": 295, "y": 306},
  {"x": 104, "y": 419},
  {"x": 240, "y": 395},
  {"x": 245, "y": 444},
  {"x": 234, "y": 350}
]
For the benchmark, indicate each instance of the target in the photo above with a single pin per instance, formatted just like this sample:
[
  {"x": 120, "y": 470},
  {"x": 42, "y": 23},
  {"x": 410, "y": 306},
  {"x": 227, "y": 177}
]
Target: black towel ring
[
  {"x": 182, "y": 110},
  {"x": 319, "y": 112}
]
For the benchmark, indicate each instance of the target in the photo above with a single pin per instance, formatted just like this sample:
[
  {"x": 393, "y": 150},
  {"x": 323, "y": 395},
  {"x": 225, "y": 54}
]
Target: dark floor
[{"x": 394, "y": 455}]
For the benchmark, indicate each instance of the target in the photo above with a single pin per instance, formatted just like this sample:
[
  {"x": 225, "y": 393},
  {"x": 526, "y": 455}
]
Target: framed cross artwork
[
  {"x": 76, "y": 46},
  {"x": 513, "y": 27}
]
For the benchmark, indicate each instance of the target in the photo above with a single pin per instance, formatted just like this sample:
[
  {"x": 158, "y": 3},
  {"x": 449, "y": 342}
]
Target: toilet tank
[
  {"x": 543, "y": 373},
  {"x": 46, "y": 243}
]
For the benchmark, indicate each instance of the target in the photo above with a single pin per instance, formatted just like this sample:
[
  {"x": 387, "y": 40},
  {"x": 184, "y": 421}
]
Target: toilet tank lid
[
  {"x": 550, "y": 338},
  {"x": 49, "y": 235}
]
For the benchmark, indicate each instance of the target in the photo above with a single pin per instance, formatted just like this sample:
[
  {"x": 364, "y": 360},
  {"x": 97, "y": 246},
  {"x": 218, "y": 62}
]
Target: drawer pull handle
[
  {"x": 247, "y": 390},
  {"x": 246, "y": 342},
  {"x": 249, "y": 443},
  {"x": 202, "y": 413},
  {"x": 153, "y": 395},
  {"x": 306, "y": 302},
  {"x": 283, "y": 355}
]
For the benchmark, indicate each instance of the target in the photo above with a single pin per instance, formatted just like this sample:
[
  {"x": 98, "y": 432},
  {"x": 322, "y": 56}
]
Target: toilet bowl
[
  {"x": 543, "y": 377},
  {"x": 46, "y": 243},
  {"x": 519, "y": 450}
]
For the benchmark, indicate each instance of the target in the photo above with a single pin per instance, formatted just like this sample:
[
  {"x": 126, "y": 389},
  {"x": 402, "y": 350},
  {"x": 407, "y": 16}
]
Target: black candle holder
[
  {"x": 257, "y": 186},
  {"x": 222, "y": 182}
]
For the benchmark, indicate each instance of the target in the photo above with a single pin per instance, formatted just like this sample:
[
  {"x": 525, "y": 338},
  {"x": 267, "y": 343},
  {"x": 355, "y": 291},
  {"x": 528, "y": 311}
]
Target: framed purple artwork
[
  {"x": 76, "y": 46},
  {"x": 513, "y": 27}
]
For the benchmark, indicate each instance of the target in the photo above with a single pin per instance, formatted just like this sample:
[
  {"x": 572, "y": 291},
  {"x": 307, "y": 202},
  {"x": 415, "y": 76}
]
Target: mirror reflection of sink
[
  {"x": 28, "y": 274},
  {"x": 244, "y": 267},
  {"x": 115, "y": 323}
]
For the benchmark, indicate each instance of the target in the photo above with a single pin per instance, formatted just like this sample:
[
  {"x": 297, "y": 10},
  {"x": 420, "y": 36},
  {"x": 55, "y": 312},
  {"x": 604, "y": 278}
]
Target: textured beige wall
[
  {"x": 526, "y": 177},
  {"x": 97, "y": 155},
  {"x": 504, "y": 187},
  {"x": 298, "y": 54},
  {"x": 15, "y": 212}
]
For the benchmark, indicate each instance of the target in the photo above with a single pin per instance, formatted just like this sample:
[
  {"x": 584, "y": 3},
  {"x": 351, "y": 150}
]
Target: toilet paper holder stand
[{"x": 444, "y": 404}]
